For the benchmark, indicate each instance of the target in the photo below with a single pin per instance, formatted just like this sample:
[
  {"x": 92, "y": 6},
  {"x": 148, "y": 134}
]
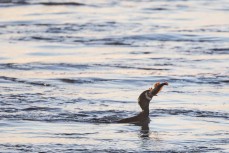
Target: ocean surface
[{"x": 70, "y": 69}]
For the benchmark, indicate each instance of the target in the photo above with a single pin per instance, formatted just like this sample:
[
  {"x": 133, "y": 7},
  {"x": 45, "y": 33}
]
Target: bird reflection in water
[{"x": 145, "y": 132}]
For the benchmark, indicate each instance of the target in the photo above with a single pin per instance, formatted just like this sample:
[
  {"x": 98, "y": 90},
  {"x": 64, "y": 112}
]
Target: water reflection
[
  {"x": 144, "y": 131},
  {"x": 149, "y": 140}
]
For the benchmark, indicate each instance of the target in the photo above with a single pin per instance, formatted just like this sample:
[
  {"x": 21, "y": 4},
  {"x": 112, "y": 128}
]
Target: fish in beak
[{"x": 157, "y": 88}]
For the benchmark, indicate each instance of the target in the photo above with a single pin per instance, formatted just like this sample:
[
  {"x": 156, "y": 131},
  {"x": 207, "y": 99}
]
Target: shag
[{"x": 144, "y": 100}]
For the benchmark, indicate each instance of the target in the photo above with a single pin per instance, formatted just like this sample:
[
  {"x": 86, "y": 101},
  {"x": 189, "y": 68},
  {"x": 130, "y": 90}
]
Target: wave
[
  {"x": 133, "y": 40},
  {"x": 210, "y": 28},
  {"x": 84, "y": 80},
  {"x": 47, "y": 114},
  {"x": 218, "y": 51},
  {"x": 219, "y": 80},
  {"x": 60, "y": 3},
  {"x": 59, "y": 147},
  {"x": 43, "y": 66},
  {"x": 36, "y": 83},
  {"x": 27, "y": 2},
  {"x": 49, "y": 109},
  {"x": 191, "y": 113},
  {"x": 64, "y": 33},
  {"x": 131, "y": 67},
  {"x": 199, "y": 79},
  {"x": 60, "y": 66}
]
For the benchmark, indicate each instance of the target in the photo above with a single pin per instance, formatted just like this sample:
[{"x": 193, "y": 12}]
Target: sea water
[{"x": 70, "y": 69}]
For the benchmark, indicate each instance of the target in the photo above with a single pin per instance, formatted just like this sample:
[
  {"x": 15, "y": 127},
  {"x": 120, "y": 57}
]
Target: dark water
[{"x": 70, "y": 69}]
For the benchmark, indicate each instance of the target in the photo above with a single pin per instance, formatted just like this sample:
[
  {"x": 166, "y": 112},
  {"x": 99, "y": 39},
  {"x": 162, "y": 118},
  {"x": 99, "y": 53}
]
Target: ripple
[
  {"x": 93, "y": 56},
  {"x": 64, "y": 33},
  {"x": 26, "y": 2},
  {"x": 131, "y": 40},
  {"x": 83, "y": 80},
  {"x": 132, "y": 67},
  {"x": 199, "y": 79},
  {"x": 218, "y": 51},
  {"x": 43, "y": 66},
  {"x": 36, "y": 83},
  {"x": 61, "y": 3},
  {"x": 192, "y": 113},
  {"x": 40, "y": 109},
  {"x": 50, "y": 114}
]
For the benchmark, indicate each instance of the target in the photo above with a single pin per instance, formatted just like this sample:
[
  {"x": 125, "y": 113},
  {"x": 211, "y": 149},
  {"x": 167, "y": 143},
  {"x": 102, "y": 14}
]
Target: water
[{"x": 70, "y": 69}]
